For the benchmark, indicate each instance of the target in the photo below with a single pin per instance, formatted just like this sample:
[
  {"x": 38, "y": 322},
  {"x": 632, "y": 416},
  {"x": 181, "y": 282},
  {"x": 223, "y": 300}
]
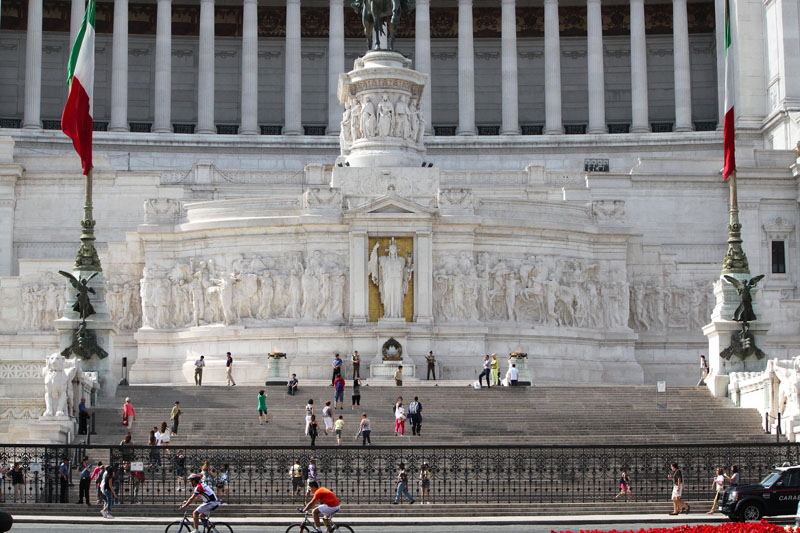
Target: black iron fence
[{"x": 460, "y": 474}]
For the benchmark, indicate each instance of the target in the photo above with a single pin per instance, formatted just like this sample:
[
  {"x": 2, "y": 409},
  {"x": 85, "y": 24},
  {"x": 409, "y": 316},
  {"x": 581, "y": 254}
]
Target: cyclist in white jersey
[{"x": 204, "y": 492}]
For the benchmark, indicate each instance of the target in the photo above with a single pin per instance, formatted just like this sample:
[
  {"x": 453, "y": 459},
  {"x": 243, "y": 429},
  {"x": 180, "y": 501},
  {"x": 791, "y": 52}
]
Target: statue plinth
[
  {"x": 719, "y": 334},
  {"x": 382, "y": 124}
]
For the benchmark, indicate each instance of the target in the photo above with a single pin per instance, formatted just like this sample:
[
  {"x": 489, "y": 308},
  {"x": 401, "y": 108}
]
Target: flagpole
[
  {"x": 735, "y": 261},
  {"x": 87, "y": 259}
]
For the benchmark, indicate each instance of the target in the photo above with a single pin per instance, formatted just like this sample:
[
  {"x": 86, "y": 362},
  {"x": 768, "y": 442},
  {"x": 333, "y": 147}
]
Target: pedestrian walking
[
  {"x": 180, "y": 471},
  {"x": 337, "y": 367},
  {"x": 18, "y": 483},
  {"x": 733, "y": 478},
  {"x": 107, "y": 488},
  {"x": 313, "y": 430},
  {"x": 703, "y": 371},
  {"x": 309, "y": 413},
  {"x": 128, "y": 414},
  {"x": 431, "y": 365},
  {"x": 678, "y": 505},
  {"x": 624, "y": 486},
  {"x": 327, "y": 416},
  {"x": 356, "y": 397},
  {"x": 166, "y": 434},
  {"x": 63, "y": 480},
  {"x": 199, "y": 365},
  {"x": 338, "y": 426},
  {"x": 311, "y": 474},
  {"x": 338, "y": 393},
  {"x": 222, "y": 482},
  {"x": 425, "y": 483},
  {"x": 229, "y": 370},
  {"x": 400, "y": 419},
  {"x": 401, "y": 485},
  {"x": 415, "y": 412},
  {"x": 717, "y": 485},
  {"x": 487, "y": 370},
  {"x": 296, "y": 475},
  {"x": 175, "y": 416},
  {"x": 366, "y": 429},
  {"x": 262, "y": 408},
  {"x": 85, "y": 470},
  {"x": 356, "y": 365},
  {"x": 398, "y": 376}
]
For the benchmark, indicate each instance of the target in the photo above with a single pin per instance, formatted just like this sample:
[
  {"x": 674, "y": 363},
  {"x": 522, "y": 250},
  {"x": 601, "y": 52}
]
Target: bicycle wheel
[
  {"x": 343, "y": 528},
  {"x": 220, "y": 527},
  {"x": 297, "y": 528},
  {"x": 177, "y": 527}
]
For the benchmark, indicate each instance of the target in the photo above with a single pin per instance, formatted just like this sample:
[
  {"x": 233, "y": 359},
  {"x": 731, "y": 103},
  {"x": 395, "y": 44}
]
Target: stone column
[
  {"x": 719, "y": 39},
  {"x": 682, "y": 67},
  {"x": 119, "y": 69},
  {"x": 594, "y": 56},
  {"x": 552, "y": 69},
  {"x": 77, "y": 10},
  {"x": 335, "y": 65},
  {"x": 249, "y": 120},
  {"x": 205, "y": 74},
  {"x": 162, "y": 121},
  {"x": 466, "y": 70},
  {"x": 422, "y": 56},
  {"x": 640, "y": 120},
  {"x": 359, "y": 284},
  {"x": 293, "y": 119},
  {"x": 32, "y": 119},
  {"x": 10, "y": 174},
  {"x": 509, "y": 66},
  {"x": 423, "y": 278}
]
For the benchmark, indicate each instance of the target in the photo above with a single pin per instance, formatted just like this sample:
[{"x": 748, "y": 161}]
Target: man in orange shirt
[{"x": 327, "y": 502}]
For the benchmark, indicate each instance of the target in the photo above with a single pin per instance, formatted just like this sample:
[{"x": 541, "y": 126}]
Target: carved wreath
[{"x": 398, "y": 350}]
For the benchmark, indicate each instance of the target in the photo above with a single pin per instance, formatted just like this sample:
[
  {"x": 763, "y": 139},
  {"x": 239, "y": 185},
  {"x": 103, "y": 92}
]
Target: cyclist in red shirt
[{"x": 327, "y": 502}]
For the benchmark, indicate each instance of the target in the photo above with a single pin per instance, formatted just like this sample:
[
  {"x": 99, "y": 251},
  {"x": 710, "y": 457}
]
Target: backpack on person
[{"x": 413, "y": 408}]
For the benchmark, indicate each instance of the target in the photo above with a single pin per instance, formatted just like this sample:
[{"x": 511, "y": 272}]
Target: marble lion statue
[{"x": 58, "y": 372}]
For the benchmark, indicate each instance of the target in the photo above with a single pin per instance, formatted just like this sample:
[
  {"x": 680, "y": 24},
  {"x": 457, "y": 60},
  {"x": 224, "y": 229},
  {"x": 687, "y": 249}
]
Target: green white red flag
[
  {"x": 728, "y": 133},
  {"x": 76, "y": 120}
]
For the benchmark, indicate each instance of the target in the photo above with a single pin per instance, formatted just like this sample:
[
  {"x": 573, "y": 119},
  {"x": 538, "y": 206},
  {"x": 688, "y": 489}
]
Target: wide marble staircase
[{"x": 222, "y": 416}]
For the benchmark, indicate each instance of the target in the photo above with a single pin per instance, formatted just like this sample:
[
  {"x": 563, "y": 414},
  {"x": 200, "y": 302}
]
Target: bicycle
[
  {"x": 186, "y": 525},
  {"x": 307, "y": 525}
]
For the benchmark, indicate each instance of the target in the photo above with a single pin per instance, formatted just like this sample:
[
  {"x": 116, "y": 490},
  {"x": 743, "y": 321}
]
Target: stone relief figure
[
  {"x": 355, "y": 120},
  {"x": 58, "y": 374},
  {"x": 413, "y": 120},
  {"x": 41, "y": 302},
  {"x": 369, "y": 124},
  {"x": 402, "y": 122},
  {"x": 390, "y": 274},
  {"x": 194, "y": 293},
  {"x": 122, "y": 301},
  {"x": 385, "y": 116},
  {"x": 788, "y": 372},
  {"x": 347, "y": 121}
]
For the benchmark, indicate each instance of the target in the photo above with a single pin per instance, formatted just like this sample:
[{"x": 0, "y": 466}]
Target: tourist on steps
[
  {"x": 262, "y": 408},
  {"x": 365, "y": 429},
  {"x": 399, "y": 419},
  {"x": 495, "y": 370},
  {"x": 291, "y": 385},
  {"x": 313, "y": 430},
  {"x": 309, "y": 413},
  {"x": 487, "y": 371}
]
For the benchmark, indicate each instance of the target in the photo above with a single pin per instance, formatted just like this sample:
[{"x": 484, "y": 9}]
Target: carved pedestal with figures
[{"x": 382, "y": 124}]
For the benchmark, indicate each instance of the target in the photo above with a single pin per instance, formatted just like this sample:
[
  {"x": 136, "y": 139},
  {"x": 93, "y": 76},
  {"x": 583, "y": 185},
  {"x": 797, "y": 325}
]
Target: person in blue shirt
[
  {"x": 337, "y": 367},
  {"x": 85, "y": 470},
  {"x": 83, "y": 417},
  {"x": 63, "y": 479}
]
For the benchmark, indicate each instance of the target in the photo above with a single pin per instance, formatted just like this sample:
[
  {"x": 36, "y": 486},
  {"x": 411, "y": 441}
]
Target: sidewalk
[{"x": 404, "y": 520}]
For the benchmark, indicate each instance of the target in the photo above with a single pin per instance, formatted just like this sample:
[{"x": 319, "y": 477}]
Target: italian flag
[
  {"x": 76, "y": 120},
  {"x": 728, "y": 133}
]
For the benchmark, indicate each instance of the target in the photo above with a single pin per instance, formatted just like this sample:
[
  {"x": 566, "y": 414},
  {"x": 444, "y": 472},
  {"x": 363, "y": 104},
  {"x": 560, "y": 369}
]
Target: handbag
[{"x": 124, "y": 420}]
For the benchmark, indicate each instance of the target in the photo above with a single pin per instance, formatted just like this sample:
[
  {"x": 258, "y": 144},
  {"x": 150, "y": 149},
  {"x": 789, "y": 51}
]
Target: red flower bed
[{"x": 729, "y": 527}]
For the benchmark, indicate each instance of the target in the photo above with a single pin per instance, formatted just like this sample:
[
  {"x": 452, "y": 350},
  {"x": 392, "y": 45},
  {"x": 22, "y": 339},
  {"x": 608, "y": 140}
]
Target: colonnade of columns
[{"x": 336, "y": 64}]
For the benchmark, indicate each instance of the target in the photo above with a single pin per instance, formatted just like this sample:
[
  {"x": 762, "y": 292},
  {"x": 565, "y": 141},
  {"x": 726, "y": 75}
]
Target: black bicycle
[
  {"x": 307, "y": 525},
  {"x": 186, "y": 525}
]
